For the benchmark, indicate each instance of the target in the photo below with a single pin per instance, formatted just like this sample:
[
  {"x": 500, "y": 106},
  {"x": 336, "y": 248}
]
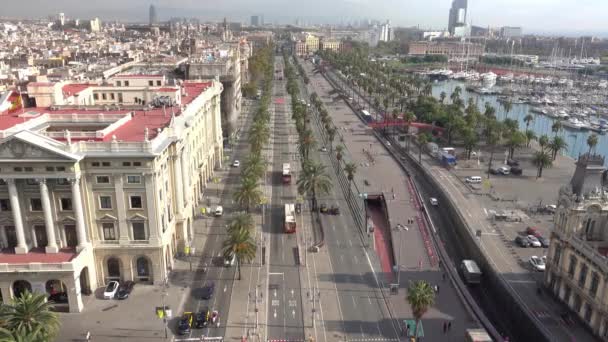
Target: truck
[
  {"x": 286, "y": 174},
  {"x": 470, "y": 272},
  {"x": 477, "y": 335},
  {"x": 290, "y": 218}
]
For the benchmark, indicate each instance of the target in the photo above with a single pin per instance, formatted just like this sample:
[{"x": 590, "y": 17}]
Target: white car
[
  {"x": 388, "y": 143},
  {"x": 433, "y": 201},
  {"x": 229, "y": 261},
  {"x": 537, "y": 263},
  {"x": 323, "y": 149},
  {"x": 219, "y": 211},
  {"x": 111, "y": 289},
  {"x": 534, "y": 242},
  {"x": 236, "y": 163}
]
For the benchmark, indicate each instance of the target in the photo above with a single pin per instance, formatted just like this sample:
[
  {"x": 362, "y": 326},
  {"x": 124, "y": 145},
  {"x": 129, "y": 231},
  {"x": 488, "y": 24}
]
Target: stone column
[
  {"x": 179, "y": 186},
  {"x": 48, "y": 217},
  {"x": 121, "y": 210},
  {"x": 3, "y": 237},
  {"x": 186, "y": 177},
  {"x": 22, "y": 247},
  {"x": 154, "y": 228},
  {"x": 79, "y": 212}
]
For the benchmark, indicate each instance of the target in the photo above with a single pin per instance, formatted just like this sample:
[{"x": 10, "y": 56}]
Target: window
[
  {"x": 588, "y": 313},
  {"x": 134, "y": 179},
  {"x": 96, "y": 96},
  {"x": 112, "y": 96},
  {"x": 158, "y": 83},
  {"x": 95, "y": 164},
  {"x": 105, "y": 202},
  {"x": 35, "y": 204},
  {"x": 62, "y": 181},
  {"x": 577, "y": 303},
  {"x": 17, "y": 169},
  {"x": 50, "y": 169},
  {"x": 567, "y": 294},
  {"x": 139, "y": 230},
  {"x": 126, "y": 163},
  {"x": 103, "y": 96},
  {"x": 119, "y": 97},
  {"x": 28, "y": 169},
  {"x": 595, "y": 282},
  {"x": 126, "y": 83},
  {"x": 106, "y": 164},
  {"x": 136, "y": 163},
  {"x": 118, "y": 83},
  {"x": 30, "y": 181},
  {"x": 109, "y": 233},
  {"x": 135, "y": 202},
  {"x": 103, "y": 179},
  {"x": 572, "y": 266},
  {"x": 582, "y": 276},
  {"x": 150, "y": 83},
  {"x": 61, "y": 168},
  {"x": 160, "y": 194},
  {"x": 5, "y": 204},
  {"x": 66, "y": 204}
]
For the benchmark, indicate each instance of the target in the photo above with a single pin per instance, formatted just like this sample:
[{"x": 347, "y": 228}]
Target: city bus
[{"x": 290, "y": 218}]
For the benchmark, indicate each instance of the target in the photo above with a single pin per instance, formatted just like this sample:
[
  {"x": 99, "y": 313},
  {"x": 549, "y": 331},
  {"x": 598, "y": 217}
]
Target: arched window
[{"x": 20, "y": 287}]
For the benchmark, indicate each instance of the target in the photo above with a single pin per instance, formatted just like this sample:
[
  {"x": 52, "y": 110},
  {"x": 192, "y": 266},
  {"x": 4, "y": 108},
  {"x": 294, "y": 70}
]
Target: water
[{"x": 576, "y": 139}]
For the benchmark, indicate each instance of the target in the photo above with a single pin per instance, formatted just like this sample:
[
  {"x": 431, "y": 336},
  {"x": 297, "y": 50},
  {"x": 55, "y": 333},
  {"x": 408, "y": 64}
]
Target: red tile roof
[
  {"x": 167, "y": 90},
  {"x": 73, "y": 89},
  {"x": 7, "y": 256}
]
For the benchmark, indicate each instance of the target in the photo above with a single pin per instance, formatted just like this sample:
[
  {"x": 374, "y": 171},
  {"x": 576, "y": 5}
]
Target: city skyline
[{"x": 541, "y": 16}]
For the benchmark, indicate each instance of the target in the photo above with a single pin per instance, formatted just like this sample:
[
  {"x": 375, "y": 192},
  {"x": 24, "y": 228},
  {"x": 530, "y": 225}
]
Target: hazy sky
[{"x": 570, "y": 16}]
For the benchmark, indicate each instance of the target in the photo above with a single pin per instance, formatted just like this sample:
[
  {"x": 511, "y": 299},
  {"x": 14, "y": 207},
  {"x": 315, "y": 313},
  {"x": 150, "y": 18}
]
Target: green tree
[
  {"x": 470, "y": 140},
  {"x": 556, "y": 127},
  {"x": 528, "y": 119},
  {"x": 241, "y": 221},
  {"x": 506, "y": 106},
  {"x": 29, "y": 318},
  {"x": 442, "y": 97},
  {"x": 541, "y": 160},
  {"x": 543, "y": 141},
  {"x": 423, "y": 139},
  {"x": 530, "y": 135},
  {"x": 350, "y": 169},
  {"x": 314, "y": 181},
  {"x": 249, "y": 90},
  {"x": 339, "y": 151},
  {"x": 490, "y": 111},
  {"x": 248, "y": 194},
  {"x": 306, "y": 144},
  {"x": 420, "y": 296},
  {"x": 592, "y": 141},
  {"x": 241, "y": 245},
  {"x": 254, "y": 166},
  {"x": 557, "y": 144},
  {"x": 331, "y": 136},
  {"x": 515, "y": 140}
]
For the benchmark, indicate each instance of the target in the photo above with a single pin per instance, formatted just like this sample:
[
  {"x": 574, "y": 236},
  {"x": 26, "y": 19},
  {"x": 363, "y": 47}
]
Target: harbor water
[{"x": 576, "y": 139}]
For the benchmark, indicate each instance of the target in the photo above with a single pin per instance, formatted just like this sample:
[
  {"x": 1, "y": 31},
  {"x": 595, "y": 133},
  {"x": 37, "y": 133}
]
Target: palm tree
[
  {"x": 423, "y": 139},
  {"x": 442, "y": 97},
  {"x": 543, "y": 141},
  {"x": 248, "y": 194},
  {"x": 420, "y": 296},
  {"x": 30, "y": 317},
  {"x": 241, "y": 245},
  {"x": 507, "y": 106},
  {"x": 306, "y": 144},
  {"x": 241, "y": 221},
  {"x": 339, "y": 150},
  {"x": 557, "y": 144},
  {"x": 350, "y": 169},
  {"x": 516, "y": 139},
  {"x": 556, "y": 127},
  {"x": 314, "y": 181},
  {"x": 528, "y": 119},
  {"x": 331, "y": 136},
  {"x": 541, "y": 159},
  {"x": 530, "y": 135},
  {"x": 592, "y": 141},
  {"x": 254, "y": 167},
  {"x": 490, "y": 112},
  {"x": 470, "y": 140}
]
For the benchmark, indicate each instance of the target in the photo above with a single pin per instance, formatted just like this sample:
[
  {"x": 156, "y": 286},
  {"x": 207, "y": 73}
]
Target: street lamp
[{"x": 399, "y": 228}]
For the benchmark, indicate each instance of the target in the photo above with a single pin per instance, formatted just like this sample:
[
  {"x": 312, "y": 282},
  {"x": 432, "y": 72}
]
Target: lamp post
[{"x": 399, "y": 228}]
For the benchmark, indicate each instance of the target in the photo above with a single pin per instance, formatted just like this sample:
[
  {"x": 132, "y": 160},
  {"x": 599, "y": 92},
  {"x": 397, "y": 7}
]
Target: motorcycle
[{"x": 215, "y": 318}]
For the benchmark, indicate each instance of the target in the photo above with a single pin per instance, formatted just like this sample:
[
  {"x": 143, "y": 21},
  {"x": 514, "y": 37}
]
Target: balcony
[{"x": 589, "y": 249}]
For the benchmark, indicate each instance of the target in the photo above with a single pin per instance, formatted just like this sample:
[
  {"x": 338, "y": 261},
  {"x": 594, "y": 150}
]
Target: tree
[
  {"x": 248, "y": 193},
  {"x": 241, "y": 221},
  {"x": 557, "y": 144},
  {"x": 510, "y": 125},
  {"x": 442, "y": 97},
  {"x": 493, "y": 136},
  {"x": 490, "y": 112},
  {"x": 29, "y": 318},
  {"x": 241, "y": 246},
  {"x": 420, "y": 296},
  {"x": 314, "y": 181},
  {"x": 507, "y": 106},
  {"x": 331, "y": 136},
  {"x": 541, "y": 160},
  {"x": 350, "y": 169},
  {"x": 516, "y": 139},
  {"x": 592, "y": 141},
  {"x": 423, "y": 139},
  {"x": 339, "y": 150},
  {"x": 528, "y": 119},
  {"x": 306, "y": 144},
  {"x": 556, "y": 127},
  {"x": 530, "y": 135},
  {"x": 470, "y": 140},
  {"x": 254, "y": 167}
]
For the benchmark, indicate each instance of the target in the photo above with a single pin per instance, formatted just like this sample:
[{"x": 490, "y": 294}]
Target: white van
[
  {"x": 473, "y": 180},
  {"x": 219, "y": 211}
]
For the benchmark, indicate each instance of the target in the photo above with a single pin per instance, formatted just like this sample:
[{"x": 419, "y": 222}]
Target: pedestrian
[
  {"x": 445, "y": 327},
  {"x": 449, "y": 325},
  {"x": 443, "y": 276}
]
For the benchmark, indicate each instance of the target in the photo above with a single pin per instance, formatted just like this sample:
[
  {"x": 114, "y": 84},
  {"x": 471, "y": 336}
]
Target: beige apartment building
[
  {"x": 577, "y": 267},
  {"x": 91, "y": 194}
]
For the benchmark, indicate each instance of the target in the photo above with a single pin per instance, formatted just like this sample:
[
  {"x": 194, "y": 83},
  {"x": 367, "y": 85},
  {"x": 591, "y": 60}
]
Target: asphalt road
[{"x": 284, "y": 320}]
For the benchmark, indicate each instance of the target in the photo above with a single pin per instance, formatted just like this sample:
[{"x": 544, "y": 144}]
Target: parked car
[
  {"x": 58, "y": 297},
  {"x": 202, "y": 318},
  {"x": 111, "y": 290},
  {"x": 544, "y": 242},
  {"x": 229, "y": 261},
  {"x": 473, "y": 179},
  {"x": 185, "y": 323},
  {"x": 494, "y": 171},
  {"x": 534, "y": 241},
  {"x": 334, "y": 210},
  {"x": 208, "y": 289},
  {"x": 125, "y": 290},
  {"x": 537, "y": 263},
  {"x": 551, "y": 208},
  {"x": 504, "y": 170},
  {"x": 433, "y": 201},
  {"x": 323, "y": 149},
  {"x": 522, "y": 241},
  {"x": 512, "y": 162},
  {"x": 236, "y": 163},
  {"x": 219, "y": 211},
  {"x": 531, "y": 230},
  {"x": 323, "y": 208},
  {"x": 516, "y": 171}
]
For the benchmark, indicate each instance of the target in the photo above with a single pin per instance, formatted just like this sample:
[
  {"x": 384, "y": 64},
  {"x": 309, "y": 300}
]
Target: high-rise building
[
  {"x": 386, "y": 32},
  {"x": 61, "y": 18},
  {"x": 255, "y": 20},
  {"x": 458, "y": 15},
  {"x": 153, "y": 16}
]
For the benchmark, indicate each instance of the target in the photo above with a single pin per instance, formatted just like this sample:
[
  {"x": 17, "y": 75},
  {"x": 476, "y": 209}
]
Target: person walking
[
  {"x": 445, "y": 327},
  {"x": 449, "y": 325}
]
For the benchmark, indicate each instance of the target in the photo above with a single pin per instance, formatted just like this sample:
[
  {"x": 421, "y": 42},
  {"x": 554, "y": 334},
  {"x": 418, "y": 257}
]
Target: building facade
[
  {"x": 447, "y": 48},
  {"x": 330, "y": 44},
  {"x": 386, "y": 32},
  {"x": 90, "y": 195},
  {"x": 457, "y": 16},
  {"x": 577, "y": 268}
]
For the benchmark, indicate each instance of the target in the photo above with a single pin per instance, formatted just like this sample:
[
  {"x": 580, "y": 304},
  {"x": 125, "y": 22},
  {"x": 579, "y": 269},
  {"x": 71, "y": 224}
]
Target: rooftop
[{"x": 7, "y": 256}]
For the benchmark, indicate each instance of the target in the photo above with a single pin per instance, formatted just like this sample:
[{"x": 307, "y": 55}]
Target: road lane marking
[
  {"x": 369, "y": 299},
  {"x": 350, "y": 242},
  {"x": 485, "y": 211},
  {"x": 354, "y": 302},
  {"x": 293, "y": 313}
]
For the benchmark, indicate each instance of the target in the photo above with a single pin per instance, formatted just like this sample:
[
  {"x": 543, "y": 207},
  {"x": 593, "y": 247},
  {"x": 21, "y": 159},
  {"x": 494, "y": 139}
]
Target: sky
[{"x": 585, "y": 17}]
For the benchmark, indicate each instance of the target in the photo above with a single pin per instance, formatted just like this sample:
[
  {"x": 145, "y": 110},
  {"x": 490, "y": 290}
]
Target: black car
[
  {"x": 512, "y": 162},
  {"x": 185, "y": 324},
  {"x": 334, "y": 210},
  {"x": 544, "y": 241},
  {"x": 208, "y": 289},
  {"x": 202, "y": 318},
  {"x": 58, "y": 297},
  {"x": 323, "y": 208},
  {"x": 494, "y": 171},
  {"x": 125, "y": 290},
  {"x": 516, "y": 171},
  {"x": 522, "y": 241}
]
